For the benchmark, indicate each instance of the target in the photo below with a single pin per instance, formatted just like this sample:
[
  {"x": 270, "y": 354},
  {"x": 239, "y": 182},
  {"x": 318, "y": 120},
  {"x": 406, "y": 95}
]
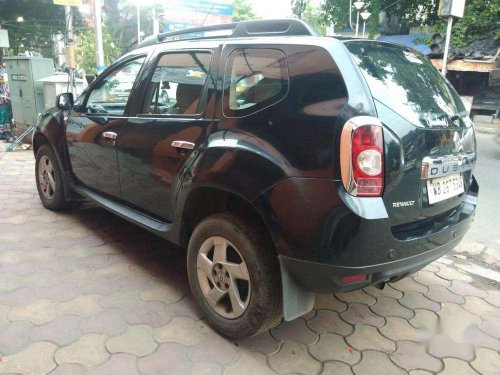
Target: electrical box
[
  {"x": 451, "y": 8},
  {"x": 26, "y": 91},
  {"x": 58, "y": 84},
  {"x": 4, "y": 39}
]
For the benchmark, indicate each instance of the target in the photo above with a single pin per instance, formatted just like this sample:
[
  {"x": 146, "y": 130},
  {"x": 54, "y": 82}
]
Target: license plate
[{"x": 441, "y": 188}]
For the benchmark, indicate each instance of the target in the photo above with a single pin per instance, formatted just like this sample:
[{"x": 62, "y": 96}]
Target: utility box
[
  {"x": 26, "y": 91},
  {"x": 451, "y": 8},
  {"x": 59, "y": 84}
]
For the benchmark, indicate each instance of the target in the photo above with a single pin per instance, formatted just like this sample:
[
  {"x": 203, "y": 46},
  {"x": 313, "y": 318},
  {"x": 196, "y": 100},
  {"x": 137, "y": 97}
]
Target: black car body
[{"x": 282, "y": 154}]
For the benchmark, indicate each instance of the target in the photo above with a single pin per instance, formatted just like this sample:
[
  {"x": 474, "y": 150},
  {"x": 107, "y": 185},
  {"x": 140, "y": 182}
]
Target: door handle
[
  {"x": 183, "y": 144},
  {"x": 110, "y": 135}
]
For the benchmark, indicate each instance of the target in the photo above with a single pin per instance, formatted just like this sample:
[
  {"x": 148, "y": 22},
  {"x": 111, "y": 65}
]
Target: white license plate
[{"x": 441, "y": 188}]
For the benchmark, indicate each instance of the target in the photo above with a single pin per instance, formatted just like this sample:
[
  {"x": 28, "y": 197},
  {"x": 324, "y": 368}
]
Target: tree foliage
[
  {"x": 242, "y": 11},
  {"x": 314, "y": 17},
  {"x": 406, "y": 13},
  {"x": 86, "y": 50},
  {"x": 299, "y": 7},
  {"x": 41, "y": 19},
  {"x": 121, "y": 22},
  {"x": 480, "y": 19}
]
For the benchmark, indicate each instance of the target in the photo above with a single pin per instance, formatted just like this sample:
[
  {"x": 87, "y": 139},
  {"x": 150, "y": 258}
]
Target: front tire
[
  {"x": 49, "y": 181},
  {"x": 234, "y": 275}
]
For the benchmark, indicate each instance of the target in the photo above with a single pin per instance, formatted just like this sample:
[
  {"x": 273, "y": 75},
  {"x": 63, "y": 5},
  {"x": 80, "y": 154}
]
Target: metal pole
[
  {"x": 156, "y": 24},
  {"x": 357, "y": 25},
  {"x": 447, "y": 46},
  {"x": 350, "y": 13},
  {"x": 138, "y": 25},
  {"x": 99, "y": 54},
  {"x": 69, "y": 39},
  {"x": 69, "y": 22},
  {"x": 364, "y": 26}
]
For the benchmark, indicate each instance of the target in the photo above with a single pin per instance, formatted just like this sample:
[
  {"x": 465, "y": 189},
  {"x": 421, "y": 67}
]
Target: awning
[{"x": 480, "y": 66}]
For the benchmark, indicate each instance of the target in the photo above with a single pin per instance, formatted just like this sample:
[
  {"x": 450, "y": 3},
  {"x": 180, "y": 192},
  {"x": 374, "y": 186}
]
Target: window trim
[
  {"x": 111, "y": 69},
  {"x": 232, "y": 113},
  {"x": 202, "y": 104}
]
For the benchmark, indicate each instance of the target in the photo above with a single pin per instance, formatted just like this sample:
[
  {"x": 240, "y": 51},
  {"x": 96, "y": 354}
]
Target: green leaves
[
  {"x": 242, "y": 11},
  {"x": 479, "y": 20},
  {"x": 86, "y": 51}
]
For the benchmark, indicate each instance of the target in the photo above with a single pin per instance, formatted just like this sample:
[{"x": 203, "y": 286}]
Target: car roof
[
  {"x": 212, "y": 43},
  {"x": 262, "y": 32},
  {"x": 282, "y": 31}
]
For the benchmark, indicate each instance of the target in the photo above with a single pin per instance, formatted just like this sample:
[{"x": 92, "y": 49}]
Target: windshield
[{"x": 407, "y": 83}]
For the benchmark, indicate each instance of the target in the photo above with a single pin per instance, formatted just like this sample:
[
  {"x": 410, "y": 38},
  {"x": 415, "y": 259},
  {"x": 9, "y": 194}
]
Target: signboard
[
  {"x": 19, "y": 77},
  {"x": 182, "y": 14},
  {"x": 75, "y": 3},
  {"x": 452, "y": 8},
  {"x": 4, "y": 39}
]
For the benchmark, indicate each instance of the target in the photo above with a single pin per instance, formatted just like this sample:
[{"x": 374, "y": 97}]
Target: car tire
[
  {"x": 49, "y": 181},
  {"x": 217, "y": 281}
]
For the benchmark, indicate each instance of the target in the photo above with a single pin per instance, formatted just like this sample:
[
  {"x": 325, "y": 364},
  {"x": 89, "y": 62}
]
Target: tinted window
[
  {"x": 255, "y": 78},
  {"x": 111, "y": 94},
  {"x": 177, "y": 83},
  {"x": 406, "y": 82}
]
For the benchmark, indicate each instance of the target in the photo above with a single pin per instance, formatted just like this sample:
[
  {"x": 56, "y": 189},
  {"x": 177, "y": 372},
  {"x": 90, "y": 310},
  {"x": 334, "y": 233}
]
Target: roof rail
[{"x": 277, "y": 27}]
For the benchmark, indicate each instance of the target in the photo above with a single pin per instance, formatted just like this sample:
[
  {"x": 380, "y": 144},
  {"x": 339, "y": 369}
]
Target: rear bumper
[
  {"x": 327, "y": 278},
  {"x": 321, "y": 240}
]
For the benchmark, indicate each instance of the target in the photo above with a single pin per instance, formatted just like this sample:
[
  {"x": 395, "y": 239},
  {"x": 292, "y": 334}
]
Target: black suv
[{"x": 287, "y": 163}]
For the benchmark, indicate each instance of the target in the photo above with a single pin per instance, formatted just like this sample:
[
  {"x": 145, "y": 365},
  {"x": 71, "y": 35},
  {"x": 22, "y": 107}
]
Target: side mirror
[{"x": 64, "y": 101}]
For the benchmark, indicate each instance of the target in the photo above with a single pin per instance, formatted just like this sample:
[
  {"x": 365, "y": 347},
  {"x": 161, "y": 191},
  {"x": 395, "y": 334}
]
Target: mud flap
[{"x": 296, "y": 300}]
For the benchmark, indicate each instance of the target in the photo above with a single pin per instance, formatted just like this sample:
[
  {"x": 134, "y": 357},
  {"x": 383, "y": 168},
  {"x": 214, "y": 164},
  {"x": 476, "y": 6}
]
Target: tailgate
[{"x": 429, "y": 139}]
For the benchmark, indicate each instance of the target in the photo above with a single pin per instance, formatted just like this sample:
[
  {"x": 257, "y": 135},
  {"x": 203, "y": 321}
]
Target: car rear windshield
[{"x": 407, "y": 83}]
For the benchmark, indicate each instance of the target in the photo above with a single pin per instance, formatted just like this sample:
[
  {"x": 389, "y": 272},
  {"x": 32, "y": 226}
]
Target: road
[
  {"x": 84, "y": 292},
  {"x": 485, "y": 227},
  {"x": 481, "y": 244}
]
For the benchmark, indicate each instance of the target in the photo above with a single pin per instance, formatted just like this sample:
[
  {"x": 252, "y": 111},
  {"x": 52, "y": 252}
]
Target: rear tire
[
  {"x": 49, "y": 181},
  {"x": 223, "y": 251}
]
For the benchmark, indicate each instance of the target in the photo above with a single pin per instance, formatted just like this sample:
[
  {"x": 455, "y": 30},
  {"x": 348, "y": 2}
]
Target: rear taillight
[{"x": 362, "y": 157}]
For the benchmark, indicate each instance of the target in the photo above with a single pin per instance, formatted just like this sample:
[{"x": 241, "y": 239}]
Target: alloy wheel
[
  {"x": 46, "y": 177},
  {"x": 223, "y": 277}
]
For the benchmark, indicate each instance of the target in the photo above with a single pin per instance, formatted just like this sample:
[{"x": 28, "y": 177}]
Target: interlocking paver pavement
[{"x": 85, "y": 292}]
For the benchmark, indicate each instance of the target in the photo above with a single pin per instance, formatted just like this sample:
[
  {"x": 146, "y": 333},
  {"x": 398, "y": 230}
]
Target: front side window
[
  {"x": 255, "y": 78},
  {"x": 177, "y": 84},
  {"x": 111, "y": 94}
]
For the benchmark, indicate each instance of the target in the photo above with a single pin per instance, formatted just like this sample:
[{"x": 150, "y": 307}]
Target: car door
[
  {"x": 92, "y": 129},
  {"x": 172, "y": 122}
]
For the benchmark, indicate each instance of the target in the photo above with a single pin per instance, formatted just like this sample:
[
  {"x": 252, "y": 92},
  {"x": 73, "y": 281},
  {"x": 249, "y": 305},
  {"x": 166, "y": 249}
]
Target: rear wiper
[{"x": 459, "y": 115}]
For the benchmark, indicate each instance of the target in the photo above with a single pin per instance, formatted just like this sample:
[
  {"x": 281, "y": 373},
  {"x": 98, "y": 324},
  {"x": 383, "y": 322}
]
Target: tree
[
  {"x": 314, "y": 17},
  {"x": 401, "y": 14},
  {"x": 120, "y": 20},
  {"x": 85, "y": 50},
  {"x": 479, "y": 20},
  {"x": 41, "y": 19},
  {"x": 299, "y": 7},
  {"x": 242, "y": 10}
]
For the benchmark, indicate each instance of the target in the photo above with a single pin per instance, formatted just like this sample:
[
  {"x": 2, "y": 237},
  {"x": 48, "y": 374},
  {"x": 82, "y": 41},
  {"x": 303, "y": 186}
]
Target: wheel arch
[
  {"x": 50, "y": 129},
  {"x": 205, "y": 201}
]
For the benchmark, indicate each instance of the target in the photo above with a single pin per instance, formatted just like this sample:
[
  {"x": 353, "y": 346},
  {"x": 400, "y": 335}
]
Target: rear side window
[
  {"x": 255, "y": 78},
  {"x": 177, "y": 84},
  {"x": 406, "y": 83}
]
